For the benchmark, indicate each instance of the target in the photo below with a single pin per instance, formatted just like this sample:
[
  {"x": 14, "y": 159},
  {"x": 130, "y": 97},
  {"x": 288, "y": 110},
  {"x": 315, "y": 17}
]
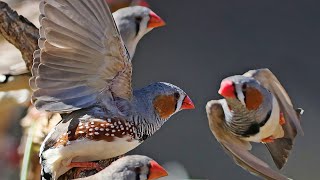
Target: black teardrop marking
[
  {"x": 262, "y": 123},
  {"x": 137, "y": 23},
  {"x": 255, "y": 127},
  {"x": 252, "y": 130}
]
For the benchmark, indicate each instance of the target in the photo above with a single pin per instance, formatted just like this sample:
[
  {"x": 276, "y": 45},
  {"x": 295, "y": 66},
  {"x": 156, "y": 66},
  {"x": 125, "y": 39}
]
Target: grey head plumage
[
  {"x": 132, "y": 23},
  {"x": 156, "y": 103},
  {"x": 133, "y": 167}
]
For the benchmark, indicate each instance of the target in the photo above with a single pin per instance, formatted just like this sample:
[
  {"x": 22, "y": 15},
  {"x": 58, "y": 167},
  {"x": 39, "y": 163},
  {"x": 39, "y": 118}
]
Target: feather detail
[
  {"x": 82, "y": 59},
  {"x": 99, "y": 130}
]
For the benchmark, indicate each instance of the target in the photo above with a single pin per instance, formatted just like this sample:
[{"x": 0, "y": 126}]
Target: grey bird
[
  {"x": 256, "y": 108},
  {"x": 133, "y": 167},
  {"x": 83, "y": 71}
]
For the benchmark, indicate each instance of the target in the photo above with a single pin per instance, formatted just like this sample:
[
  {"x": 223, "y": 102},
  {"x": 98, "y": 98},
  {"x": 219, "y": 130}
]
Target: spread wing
[
  {"x": 82, "y": 59},
  {"x": 238, "y": 149},
  {"x": 280, "y": 148}
]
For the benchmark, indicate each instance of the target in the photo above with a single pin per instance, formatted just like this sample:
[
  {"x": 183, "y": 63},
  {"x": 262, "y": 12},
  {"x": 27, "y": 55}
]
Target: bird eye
[
  {"x": 176, "y": 95},
  {"x": 244, "y": 87},
  {"x": 138, "y": 19},
  {"x": 137, "y": 170}
]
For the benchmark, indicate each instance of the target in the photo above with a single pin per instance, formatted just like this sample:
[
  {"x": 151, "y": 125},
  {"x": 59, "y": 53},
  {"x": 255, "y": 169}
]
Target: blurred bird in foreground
[{"x": 133, "y": 167}]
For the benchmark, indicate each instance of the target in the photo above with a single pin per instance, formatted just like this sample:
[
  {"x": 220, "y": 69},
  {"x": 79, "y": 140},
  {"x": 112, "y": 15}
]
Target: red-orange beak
[
  {"x": 227, "y": 89},
  {"x": 156, "y": 171},
  {"x": 187, "y": 103},
  {"x": 155, "y": 21}
]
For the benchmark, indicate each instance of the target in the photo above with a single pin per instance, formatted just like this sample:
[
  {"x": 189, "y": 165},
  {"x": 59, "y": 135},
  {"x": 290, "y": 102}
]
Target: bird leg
[
  {"x": 84, "y": 166},
  {"x": 282, "y": 121},
  {"x": 269, "y": 139}
]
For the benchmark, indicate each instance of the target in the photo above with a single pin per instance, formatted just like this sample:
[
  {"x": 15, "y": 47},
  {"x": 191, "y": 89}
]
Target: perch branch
[{"x": 19, "y": 31}]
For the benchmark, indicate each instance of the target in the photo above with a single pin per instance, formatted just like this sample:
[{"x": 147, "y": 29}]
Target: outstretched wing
[
  {"x": 238, "y": 149},
  {"x": 82, "y": 59},
  {"x": 280, "y": 148}
]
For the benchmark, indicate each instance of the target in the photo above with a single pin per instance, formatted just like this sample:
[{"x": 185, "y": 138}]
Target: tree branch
[{"x": 19, "y": 31}]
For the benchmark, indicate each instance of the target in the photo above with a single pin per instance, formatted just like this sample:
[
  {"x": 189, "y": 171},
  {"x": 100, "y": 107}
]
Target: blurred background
[{"x": 203, "y": 42}]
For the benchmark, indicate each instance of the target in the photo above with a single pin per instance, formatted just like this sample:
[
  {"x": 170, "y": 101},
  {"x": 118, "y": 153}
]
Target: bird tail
[
  {"x": 50, "y": 160},
  {"x": 280, "y": 150}
]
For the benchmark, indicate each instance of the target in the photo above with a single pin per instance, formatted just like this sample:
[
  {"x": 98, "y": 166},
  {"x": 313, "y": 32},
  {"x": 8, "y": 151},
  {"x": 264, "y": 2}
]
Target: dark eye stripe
[
  {"x": 137, "y": 28},
  {"x": 244, "y": 92},
  {"x": 235, "y": 91},
  {"x": 138, "y": 22},
  {"x": 137, "y": 171},
  {"x": 176, "y": 106},
  {"x": 262, "y": 123},
  {"x": 176, "y": 96}
]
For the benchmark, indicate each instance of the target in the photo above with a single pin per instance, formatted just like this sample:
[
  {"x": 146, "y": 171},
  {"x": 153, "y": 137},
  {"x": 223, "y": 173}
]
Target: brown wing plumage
[
  {"x": 82, "y": 58},
  {"x": 238, "y": 149}
]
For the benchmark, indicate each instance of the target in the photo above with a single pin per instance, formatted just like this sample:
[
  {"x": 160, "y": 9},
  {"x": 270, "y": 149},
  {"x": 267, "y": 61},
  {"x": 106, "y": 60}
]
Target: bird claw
[
  {"x": 269, "y": 139},
  {"x": 282, "y": 120}
]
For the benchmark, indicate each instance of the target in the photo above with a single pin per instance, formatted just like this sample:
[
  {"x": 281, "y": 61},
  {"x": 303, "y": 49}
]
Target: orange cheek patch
[
  {"x": 165, "y": 105},
  {"x": 253, "y": 98}
]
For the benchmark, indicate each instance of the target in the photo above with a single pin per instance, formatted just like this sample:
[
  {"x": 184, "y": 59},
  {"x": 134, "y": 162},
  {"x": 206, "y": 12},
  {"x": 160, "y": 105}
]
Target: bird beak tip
[
  {"x": 155, "y": 21},
  {"x": 187, "y": 103},
  {"x": 156, "y": 171},
  {"x": 227, "y": 89}
]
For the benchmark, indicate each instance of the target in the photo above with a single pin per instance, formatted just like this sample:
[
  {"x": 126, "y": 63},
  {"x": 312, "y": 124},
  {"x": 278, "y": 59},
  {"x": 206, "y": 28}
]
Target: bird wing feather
[
  {"x": 238, "y": 149},
  {"x": 82, "y": 58}
]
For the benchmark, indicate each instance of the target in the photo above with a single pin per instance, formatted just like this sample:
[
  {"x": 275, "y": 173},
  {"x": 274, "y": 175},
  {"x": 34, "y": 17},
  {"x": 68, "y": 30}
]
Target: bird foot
[
  {"x": 282, "y": 121},
  {"x": 84, "y": 166},
  {"x": 269, "y": 139}
]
